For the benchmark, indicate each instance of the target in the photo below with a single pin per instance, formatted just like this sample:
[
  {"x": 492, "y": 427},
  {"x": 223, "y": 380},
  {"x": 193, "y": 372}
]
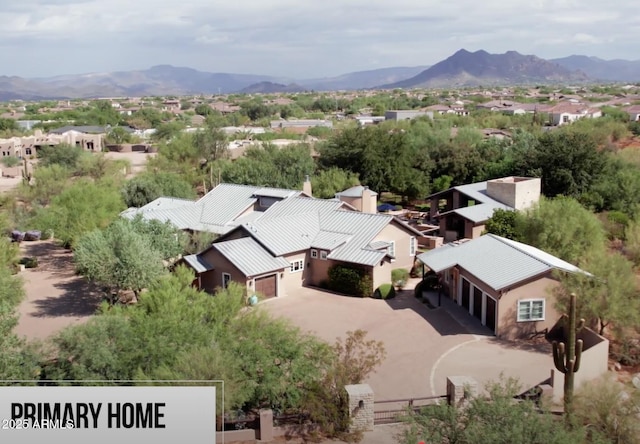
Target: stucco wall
[
  {"x": 292, "y": 281},
  {"x": 472, "y": 231},
  {"x": 221, "y": 264},
  {"x": 540, "y": 288},
  {"x": 318, "y": 270},
  {"x": 519, "y": 193},
  {"x": 593, "y": 364}
]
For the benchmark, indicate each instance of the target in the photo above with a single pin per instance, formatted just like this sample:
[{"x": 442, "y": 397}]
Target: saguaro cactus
[{"x": 566, "y": 356}]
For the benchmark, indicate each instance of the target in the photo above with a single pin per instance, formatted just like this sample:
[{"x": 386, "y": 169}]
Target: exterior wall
[
  {"x": 355, "y": 202},
  {"x": 369, "y": 202},
  {"x": 213, "y": 279},
  {"x": 539, "y": 288},
  {"x": 594, "y": 363},
  {"x": 401, "y": 237},
  {"x": 472, "y": 231},
  {"x": 291, "y": 282},
  {"x": 318, "y": 269},
  {"x": 518, "y": 193}
]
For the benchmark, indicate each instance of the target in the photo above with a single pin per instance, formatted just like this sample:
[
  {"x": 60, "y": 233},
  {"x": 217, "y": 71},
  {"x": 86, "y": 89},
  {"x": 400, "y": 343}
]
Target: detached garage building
[{"x": 506, "y": 285}]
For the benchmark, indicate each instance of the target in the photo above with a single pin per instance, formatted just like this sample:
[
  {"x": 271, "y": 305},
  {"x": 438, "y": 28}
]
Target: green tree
[
  {"x": 211, "y": 143},
  {"x": 118, "y": 135},
  {"x": 326, "y": 183},
  {"x": 147, "y": 187},
  {"x": 8, "y": 125},
  {"x": 495, "y": 418},
  {"x": 79, "y": 209},
  {"x": 127, "y": 255},
  {"x": 564, "y": 228},
  {"x": 570, "y": 163},
  {"x": 609, "y": 296},
  {"x": 505, "y": 223},
  {"x": 203, "y": 109},
  {"x": 63, "y": 154}
]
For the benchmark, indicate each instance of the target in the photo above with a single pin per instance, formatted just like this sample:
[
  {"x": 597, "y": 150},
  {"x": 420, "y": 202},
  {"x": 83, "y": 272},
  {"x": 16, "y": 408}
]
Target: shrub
[
  {"x": 29, "y": 262},
  {"x": 399, "y": 277},
  {"x": 352, "y": 281},
  {"x": 10, "y": 161},
  {"x": 385, "y": 291},
  {"x": 398, "y": 207}
]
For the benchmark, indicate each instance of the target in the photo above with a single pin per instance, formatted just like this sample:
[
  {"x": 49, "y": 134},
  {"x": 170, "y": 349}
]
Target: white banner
[{"x": 108, "y": 415}]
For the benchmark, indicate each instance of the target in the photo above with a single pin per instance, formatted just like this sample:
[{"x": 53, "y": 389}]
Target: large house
[
  {"x": 298, "y": 239},
  {"x": 564, "y": 113},
  {"x": 505, "y": 284},
  {"x": 85, "y": 137},
  {"x": 467, "y": 208}
]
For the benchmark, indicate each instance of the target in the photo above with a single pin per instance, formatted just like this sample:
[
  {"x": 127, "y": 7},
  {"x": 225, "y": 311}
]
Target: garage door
[{"x": 266, "y": 286}]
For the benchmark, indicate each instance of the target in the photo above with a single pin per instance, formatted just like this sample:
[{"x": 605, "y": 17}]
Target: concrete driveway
[{"x": 424, "y": 345}]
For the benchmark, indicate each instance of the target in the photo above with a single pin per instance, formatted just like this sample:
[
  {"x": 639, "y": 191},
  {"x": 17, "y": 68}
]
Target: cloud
[{"x": 297, "y": 38}]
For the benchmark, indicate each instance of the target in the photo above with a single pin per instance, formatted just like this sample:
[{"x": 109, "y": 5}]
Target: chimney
[
  {"x": 369, "y": 201},
  {"x": 306, "y": 186}
]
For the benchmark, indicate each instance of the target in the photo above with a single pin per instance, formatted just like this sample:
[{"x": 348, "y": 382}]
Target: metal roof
[
  {"x": 275, "y": 192},
  {"x": 198, "y": 263},
  {"x": 355, "y": 192},
  {"x": 479, "y": 213},
  {"x": 378, "y": 245},
  {"x": 328, "y": 240},
  {"x": 496, "y": 261},
  {"x": 249, "y": 256}
]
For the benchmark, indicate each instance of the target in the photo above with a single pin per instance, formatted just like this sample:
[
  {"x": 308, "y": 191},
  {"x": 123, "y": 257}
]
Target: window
[
  {"x": 297, "y": 266},
  {"x": 531, "y": 310},
  {"x": 226, "y": 277},
  {"x": 412, "y": 246},
  {"x": 323, "y": 255},
  {"x": 391, "y": 249},
  {"x": 314, "y": 254},
  {"x": 28, "y": 151}
]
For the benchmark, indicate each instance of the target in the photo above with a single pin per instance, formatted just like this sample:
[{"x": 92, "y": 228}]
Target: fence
[{"x": 394, "y": 409}]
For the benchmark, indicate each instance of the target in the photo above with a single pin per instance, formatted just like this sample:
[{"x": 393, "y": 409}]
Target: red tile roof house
[
  {"x": 505, "y": 284},
  {"x": 275, "y": 241}
]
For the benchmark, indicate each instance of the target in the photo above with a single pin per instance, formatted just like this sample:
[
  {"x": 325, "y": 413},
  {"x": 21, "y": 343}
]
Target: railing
[{"x": 396, "y": 409}]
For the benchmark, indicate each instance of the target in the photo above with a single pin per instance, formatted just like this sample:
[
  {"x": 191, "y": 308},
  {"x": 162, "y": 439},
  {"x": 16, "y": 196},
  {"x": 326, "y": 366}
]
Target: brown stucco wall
[
  {"x": 318, "y": 270},
  {"x": 537, "y": 288},
  {"x": 394, "y": 232},
  {"x": 293, "y": 281},
  {"x": 221, "y": 264}
]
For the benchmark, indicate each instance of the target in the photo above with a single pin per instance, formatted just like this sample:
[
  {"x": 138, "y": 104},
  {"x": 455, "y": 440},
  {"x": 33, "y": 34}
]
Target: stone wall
[{"x": 360, "y": 404}]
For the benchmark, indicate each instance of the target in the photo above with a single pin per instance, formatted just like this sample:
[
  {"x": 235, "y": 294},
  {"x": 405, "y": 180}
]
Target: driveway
[
  {"x": 424, "y": 345},
  {"x": 55, "y": 296}
]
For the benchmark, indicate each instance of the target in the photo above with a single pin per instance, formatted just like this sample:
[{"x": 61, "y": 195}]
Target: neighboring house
[
  {"x": 468, "y": 207},
  {"x": 361, "y": 198},
  {"x": 369, "y": 120},
  {"x": 634, "y": 113},
  {"x": 295, "y": 242},
  {"x": 300, "y": 123},
  {"x": 565, "y": 113},
  {"x": 197, "y": 120},
  {"x": 219, "y": 211},
  {"x": 505, "y": 284},
  {"x": 407, "y": 114},
  {"x": 456, "y": 109},
  {"x": 85, "y": 137}
]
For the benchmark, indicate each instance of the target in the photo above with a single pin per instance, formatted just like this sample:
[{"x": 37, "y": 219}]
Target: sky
[{"x": 300, "y": 38}]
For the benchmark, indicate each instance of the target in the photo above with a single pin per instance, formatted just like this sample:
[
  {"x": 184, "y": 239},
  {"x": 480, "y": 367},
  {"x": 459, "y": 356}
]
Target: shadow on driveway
[{"x": 78, "y": 298}]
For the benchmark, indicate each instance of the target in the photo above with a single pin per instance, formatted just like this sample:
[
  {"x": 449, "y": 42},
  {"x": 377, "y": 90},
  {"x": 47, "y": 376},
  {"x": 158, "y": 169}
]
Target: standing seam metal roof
[
  {"x": 498, "y": 262},
  {"x": 249, "y": 256}
]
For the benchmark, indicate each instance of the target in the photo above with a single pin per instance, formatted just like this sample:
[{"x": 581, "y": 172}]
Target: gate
[{"x": 392, "y": 411}]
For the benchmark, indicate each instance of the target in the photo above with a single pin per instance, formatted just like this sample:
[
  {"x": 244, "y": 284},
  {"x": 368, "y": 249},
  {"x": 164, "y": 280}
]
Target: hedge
[
  {"x": 385, "y": 291},
  {"x": 352, "y": 281}
]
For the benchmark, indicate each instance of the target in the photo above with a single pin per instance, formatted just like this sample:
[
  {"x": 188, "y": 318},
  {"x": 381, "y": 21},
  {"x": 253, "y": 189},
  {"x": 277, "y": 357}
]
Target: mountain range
[{"x": 463, "y": 68}]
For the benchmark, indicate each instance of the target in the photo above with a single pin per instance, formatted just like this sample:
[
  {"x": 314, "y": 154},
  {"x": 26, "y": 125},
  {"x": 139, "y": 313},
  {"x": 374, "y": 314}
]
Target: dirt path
[{"x": 55, "y": 296}]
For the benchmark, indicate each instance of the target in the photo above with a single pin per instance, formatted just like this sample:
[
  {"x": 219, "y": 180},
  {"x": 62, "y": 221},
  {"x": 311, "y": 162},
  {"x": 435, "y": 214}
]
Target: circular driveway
[{"x": 423, "y": 345}]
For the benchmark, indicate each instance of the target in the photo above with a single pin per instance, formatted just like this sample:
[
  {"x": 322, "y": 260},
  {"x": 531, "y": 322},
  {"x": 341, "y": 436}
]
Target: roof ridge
[{"x": 515, "y": 247}]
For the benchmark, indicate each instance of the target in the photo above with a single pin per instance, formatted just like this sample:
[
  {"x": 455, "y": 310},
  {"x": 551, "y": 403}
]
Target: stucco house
[
  {"x": 634, "y": 113},
  {"x": 505, "y": 284},
  {"x": 468, "y": 207},
  {"x": 295, "y": 242},
  {"x": 564, "y": 113}
]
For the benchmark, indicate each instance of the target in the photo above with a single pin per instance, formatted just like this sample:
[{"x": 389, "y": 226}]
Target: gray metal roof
[
  {"x": 480, "y": 212},
  {"x": 198, "y": 263},
  {"x": 378, "y": 245},
  {"x": 496, "y": 261},
  {"x": 328, "y": 240},
  {"x": 355, "y": 192},
  {"x": 249, "y": 256},
  {"x": 216, "y": 212}
]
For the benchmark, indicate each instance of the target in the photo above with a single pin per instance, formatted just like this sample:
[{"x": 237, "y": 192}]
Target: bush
[
  {"x": 399, "y": 277},
  {"x": 29, "y": 262},
  {"x": 10, "y": 161},
  {"x": 352, "y": 281},
  {"x": 385, "y": 291}
]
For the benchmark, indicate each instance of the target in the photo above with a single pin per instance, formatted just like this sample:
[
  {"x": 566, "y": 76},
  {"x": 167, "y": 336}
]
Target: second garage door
[{"x": 266, "y": 286}]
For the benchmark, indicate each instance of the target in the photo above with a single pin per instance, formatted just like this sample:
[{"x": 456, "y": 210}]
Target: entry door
[
  {"x": 477, "y": 303},
  {"x": 491, "y": 314},
  {"x": 466, "y": 287}
]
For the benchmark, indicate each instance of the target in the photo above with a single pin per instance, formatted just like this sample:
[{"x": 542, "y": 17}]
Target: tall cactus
[{"x": 566, "y": 357}]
